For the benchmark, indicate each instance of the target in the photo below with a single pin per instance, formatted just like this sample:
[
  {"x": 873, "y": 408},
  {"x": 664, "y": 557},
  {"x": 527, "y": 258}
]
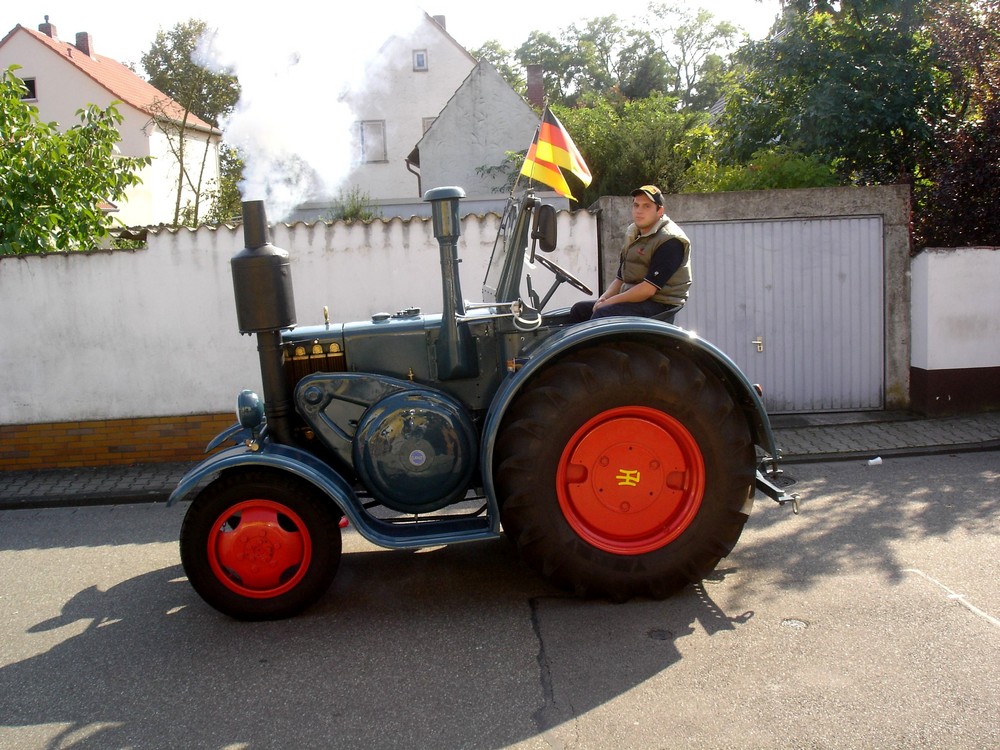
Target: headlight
[{"x": 249, "y": 409}]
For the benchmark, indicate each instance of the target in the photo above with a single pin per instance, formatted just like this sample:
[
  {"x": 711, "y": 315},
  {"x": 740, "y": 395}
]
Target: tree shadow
[
  {"x": 89, "y": 526},
  {"x": 402, "y": 652},
  {"x": 460, "y": 646},
  {"x": 854, "y": 516}
]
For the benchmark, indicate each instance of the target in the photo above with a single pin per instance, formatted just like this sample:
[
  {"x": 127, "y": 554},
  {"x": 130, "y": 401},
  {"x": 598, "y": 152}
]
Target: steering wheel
[{"x": 563, "y": 275}]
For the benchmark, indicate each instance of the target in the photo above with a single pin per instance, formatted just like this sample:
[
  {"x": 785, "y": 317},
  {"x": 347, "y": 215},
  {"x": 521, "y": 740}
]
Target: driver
[{"x": 654, "y": 268}]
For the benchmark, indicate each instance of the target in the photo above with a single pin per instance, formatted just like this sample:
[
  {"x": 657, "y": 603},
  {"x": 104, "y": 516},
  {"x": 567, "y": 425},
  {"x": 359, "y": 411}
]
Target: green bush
[{"x": 773, "y": 169}]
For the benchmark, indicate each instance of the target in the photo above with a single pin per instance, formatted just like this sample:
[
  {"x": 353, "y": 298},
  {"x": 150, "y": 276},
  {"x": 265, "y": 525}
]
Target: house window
[
  {"x": 420, "y": 59},
  {"x": 372, "y": 136},
  {"x": 30, "y": 83}
]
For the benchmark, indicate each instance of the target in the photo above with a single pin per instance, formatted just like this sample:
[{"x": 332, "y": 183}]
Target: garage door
[{"x": 797, "y": 304}]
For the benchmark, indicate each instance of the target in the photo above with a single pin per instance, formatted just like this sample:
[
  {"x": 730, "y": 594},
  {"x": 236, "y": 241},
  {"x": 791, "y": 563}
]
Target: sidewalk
[{"x": 801, "y": 438}]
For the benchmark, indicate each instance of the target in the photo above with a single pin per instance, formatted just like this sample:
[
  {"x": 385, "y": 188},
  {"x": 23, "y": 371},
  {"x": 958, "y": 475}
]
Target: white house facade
[
  {"x": 420, "y": 73},
  {"x": 434, "y": 118}
]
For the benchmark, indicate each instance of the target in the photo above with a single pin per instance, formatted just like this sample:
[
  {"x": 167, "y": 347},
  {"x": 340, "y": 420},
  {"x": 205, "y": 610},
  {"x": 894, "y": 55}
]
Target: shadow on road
[
  {"x": 450, "y": 647},
  {"x": 401, "y": 653},
  {"x": 854, "y": 515},
  {"x": 75, "y": 526}
]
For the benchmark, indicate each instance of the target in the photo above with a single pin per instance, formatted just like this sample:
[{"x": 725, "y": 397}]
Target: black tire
[
  {"x": 570, "y": 460},
  {"x": 260, "y": 545}
]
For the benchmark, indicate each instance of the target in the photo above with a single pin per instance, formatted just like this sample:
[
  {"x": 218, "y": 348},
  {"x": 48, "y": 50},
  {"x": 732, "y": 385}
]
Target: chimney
[
  {"x": 84, "y": 43},
  {"x": 48, "y": 29},
  {"x": 440, "y": 21},
  {"x": 536, "y": 86}
]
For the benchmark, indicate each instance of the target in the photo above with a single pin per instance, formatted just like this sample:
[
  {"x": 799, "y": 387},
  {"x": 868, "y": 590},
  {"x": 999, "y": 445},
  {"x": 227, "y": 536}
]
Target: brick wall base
[{"x": 108, "y": 442}]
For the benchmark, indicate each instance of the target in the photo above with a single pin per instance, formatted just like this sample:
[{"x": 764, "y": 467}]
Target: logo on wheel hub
[{"x": 628, "y": 477}]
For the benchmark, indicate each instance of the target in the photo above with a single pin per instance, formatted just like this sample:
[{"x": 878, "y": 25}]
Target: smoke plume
[{"x": 298, "y": 72}]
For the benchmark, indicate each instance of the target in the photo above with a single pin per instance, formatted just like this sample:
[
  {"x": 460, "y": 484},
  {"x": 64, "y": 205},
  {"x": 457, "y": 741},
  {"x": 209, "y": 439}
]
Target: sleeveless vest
[{"x": 638, "y": 253}]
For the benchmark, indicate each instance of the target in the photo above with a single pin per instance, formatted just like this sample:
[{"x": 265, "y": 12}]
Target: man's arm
[
  {"x": 667, "y": 258},
  {"x": 638, "y": 293}
]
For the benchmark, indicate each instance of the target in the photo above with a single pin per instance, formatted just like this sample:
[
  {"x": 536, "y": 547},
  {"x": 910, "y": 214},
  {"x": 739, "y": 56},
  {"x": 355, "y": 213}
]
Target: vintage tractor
[{"x": 620, "y": 456}]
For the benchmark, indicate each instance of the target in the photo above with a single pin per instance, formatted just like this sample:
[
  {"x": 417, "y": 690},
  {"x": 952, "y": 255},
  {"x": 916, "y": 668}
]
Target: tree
[
  {"x": 225, "y": 198},
  {"x": 642, "y": 74},
  {"x": 691, "y": 45},
  {"x": 503, "y": 60},
  {"x": 600, "y": 60},
  {"x": 596, "y": 67},
  {"x": 886, "y": 91},
  {"x": 677, "y": 54},
  {"x": 555, "y": 58},
  {"x": 52, "y": 184},
  {"x": 634, "y": 142},
  {"x": 858, "y": 88},
  {"x": 959, "y": 189},
  {"x": 172, "y": 67}
]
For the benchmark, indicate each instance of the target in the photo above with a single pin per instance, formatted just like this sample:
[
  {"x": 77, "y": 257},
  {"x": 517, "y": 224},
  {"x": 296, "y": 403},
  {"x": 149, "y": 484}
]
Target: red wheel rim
[
  {"x": 259, "y": 549},
  {"x": 631, "y": 480}
]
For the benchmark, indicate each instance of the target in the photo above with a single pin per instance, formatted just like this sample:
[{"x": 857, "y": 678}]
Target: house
[
  {"x": 63, "y": 78},
  {"x": 435, "y": 115},
  {"x": 417, "y": 76},
  {"x": 483, "y": 120}
]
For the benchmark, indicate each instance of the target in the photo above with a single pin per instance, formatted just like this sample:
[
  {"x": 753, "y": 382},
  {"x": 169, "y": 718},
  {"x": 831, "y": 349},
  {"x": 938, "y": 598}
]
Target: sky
[
  {"x": 127, "y": 33},
  {"x": 311, "y": 53}
]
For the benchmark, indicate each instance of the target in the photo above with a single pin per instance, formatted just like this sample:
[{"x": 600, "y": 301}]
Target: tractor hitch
[{"x": 767, "y": 483}]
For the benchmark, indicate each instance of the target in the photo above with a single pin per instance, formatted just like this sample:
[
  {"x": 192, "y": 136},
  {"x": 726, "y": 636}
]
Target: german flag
[{"x": 551, "y": 150}]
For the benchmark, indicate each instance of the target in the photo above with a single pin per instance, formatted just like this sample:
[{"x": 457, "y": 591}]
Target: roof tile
[{"x": 121, "y": 82}]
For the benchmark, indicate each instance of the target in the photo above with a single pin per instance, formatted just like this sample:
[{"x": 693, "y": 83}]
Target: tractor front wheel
[
  {"x": 258, "y": 545},
  {"x": 624, "y": 470}
]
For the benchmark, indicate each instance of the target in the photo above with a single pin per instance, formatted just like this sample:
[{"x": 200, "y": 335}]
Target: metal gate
[{"x": 797, "y": 304}]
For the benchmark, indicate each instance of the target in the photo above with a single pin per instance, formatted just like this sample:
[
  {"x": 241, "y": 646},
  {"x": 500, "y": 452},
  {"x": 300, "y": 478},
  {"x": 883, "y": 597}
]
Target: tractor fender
[
  {"x": 708, "y": 356},
  {"x": 306, "y": 466},
  {"x": 271, "y": 456}
]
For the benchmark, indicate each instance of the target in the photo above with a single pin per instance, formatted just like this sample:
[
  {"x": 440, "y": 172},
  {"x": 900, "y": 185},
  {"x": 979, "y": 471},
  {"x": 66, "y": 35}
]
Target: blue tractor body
[{"x": 414, "y": 428}]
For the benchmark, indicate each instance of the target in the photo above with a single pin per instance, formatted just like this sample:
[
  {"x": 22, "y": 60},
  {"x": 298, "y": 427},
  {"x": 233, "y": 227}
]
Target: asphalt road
[{"x": 870, "y": 620}]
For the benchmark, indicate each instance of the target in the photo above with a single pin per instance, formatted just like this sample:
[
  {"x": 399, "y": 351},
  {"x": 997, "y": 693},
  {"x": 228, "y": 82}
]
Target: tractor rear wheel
[
  {"x": 260, "y": 545},
  {"x": 624, "y": 470}
]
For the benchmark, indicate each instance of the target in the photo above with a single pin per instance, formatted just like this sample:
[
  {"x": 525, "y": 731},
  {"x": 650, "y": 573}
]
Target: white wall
[
  {"x": 112, "y": 335},
  {"x": 123, "y": 334},
  {"x": 161, "y": 176},
  {"x": 955, "y": 308}
]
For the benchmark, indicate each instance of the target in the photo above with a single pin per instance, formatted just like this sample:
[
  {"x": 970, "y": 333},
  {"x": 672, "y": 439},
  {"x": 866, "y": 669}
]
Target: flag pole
[{"x": 534, "y": 138}]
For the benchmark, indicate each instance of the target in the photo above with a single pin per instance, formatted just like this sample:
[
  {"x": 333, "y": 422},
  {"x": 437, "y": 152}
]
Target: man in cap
[{"x": 654, "y": 268}]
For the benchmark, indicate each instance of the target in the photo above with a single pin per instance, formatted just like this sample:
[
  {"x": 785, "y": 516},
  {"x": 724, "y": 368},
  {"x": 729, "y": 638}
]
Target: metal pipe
[
  {"x": 265, "y": 306},
  {"x": 254, "y": 224},
  {"x": 456, "y": 349},
  {"x": 277, "y": 404}
]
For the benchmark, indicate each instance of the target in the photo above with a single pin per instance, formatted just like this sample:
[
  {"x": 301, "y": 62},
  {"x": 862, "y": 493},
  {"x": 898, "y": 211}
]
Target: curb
[
  {"x": 85, "y": 500},
  {"x": 909, "y": 452}
]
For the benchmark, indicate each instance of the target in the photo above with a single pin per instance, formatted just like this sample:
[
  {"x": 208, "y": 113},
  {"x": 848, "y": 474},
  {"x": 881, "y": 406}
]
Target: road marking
[{"x": 960, "y": 598}]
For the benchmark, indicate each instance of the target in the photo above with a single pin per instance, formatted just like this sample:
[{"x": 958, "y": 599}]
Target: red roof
[{"x": 121, "y": 82}]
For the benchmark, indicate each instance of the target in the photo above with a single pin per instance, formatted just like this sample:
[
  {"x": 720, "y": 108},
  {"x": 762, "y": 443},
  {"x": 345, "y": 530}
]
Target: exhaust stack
[
  {"x": 262, "y": 283},
  {"x": 456, "y": 351}
]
